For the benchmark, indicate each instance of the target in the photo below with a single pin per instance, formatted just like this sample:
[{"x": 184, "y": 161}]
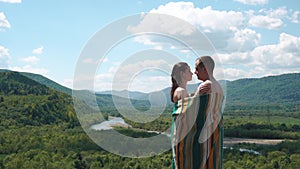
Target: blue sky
[{"x": 253, "y": 38}]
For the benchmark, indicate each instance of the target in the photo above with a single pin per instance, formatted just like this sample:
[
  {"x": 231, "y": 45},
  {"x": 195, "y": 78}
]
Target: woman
[{"x": 181, "y": 74}]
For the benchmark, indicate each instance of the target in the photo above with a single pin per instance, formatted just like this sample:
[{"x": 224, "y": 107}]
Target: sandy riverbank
[
  {"x": 117, "y": 121},
  {"x": 232, "y": 141}
]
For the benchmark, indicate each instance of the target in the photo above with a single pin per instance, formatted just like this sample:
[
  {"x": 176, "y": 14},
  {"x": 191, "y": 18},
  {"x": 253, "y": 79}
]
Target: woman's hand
[{"x": 204, "y": 87}]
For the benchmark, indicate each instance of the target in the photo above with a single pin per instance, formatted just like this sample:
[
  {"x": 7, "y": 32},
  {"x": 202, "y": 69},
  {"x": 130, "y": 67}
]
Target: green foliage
[
  {"x": 135, "y": 133},
  {"x": 161, "y": 124},
  {"x": 266, "y": 90},
  {"x": 39, "y": 126},
  {"x": 79, "y": 163},
  {"x": 47, "y": 82},
  {"x": 13, "y": 83},
  {"x": 24, "y": 101},
  {"x": 37, "y": 110},
  {"x": 272, "y": 159}
]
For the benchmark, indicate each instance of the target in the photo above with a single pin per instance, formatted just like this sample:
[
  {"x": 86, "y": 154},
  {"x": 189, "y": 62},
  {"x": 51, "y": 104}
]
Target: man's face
[{"x": 199, "y": 69}]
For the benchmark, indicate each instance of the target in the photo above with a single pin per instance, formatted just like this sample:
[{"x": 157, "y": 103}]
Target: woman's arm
[
  {"x": 179, "y": 94},
  {"x": 204, "y": 88}
]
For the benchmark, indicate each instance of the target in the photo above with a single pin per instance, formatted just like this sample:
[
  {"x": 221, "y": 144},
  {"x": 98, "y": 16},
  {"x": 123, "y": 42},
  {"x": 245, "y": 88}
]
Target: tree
[{"x": 79, "y": 163}]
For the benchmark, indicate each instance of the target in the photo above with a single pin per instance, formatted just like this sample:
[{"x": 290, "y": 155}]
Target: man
[
  {"x": 204, "y": 68},
  {"x": 211, "y": 135}
]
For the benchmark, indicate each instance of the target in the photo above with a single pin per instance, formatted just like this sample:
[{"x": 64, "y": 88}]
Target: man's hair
[{"x": 208, "y": 63}]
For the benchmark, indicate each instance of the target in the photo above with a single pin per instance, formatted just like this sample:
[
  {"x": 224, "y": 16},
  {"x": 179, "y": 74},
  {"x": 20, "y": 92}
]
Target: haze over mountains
[
  {"x": 31, "y": 99},
  {"x": 271, "y": 89}
]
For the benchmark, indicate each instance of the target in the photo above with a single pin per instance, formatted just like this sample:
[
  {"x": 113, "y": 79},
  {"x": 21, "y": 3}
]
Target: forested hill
[
  {"x": 279, "y": 89},
  {"x": 13, "y": 83},
  {"x": 42, "y": 80},
  {"x": 45, "y": 81},
  {"x": 31, "y": 99},
  {"x": 24, "y": 101}
]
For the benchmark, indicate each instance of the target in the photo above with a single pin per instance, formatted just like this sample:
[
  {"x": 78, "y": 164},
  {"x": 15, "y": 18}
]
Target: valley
[{"x": 39, "y": 127}]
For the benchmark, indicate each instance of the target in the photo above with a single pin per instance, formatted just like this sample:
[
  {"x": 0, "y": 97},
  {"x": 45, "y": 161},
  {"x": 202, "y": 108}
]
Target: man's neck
[{"x": 211, "y": 78}]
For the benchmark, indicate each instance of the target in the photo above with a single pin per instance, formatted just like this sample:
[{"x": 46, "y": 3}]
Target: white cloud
[
  {"x": 29, "y": 68},
  {"x": 104, "y": 76},
  {"x": 272, "y": 18},
  {"x": 294, "y": 17},
  {"x": 3, "y": 21},
  {"x": 4, "y": 57},
  {"x": 38, "y": 51},
  {"x": 266, "y": 22},
  {"x": 4, "y": 51},
  {"x": 150, "y": 84},
  {"x": 236, "y": 58},
  {"x": 222, "y": 28},
  {"x": 102, "y": 86},
  {"x": 280, "y": 12},
  {"x": 265, "y": 60},
  {"x": 135, "y": 76},
  {"x": 244, "y": 40},
  {"x": 253, "y": 2},
  {"x": 103, "y": 81},
  {"x": 289, "y": 44},
  {"x": 284, "y": 55},
  {"x": 233, "y": 73},
  {"x": 94, "y": 61},
  {"x": 205, "y": 18},
  {"x": 274, "y": 59},
  {"x": 127, "y": 71},
  {"x": 11, "y": 1},
  {"x": 31, "y": 59}
]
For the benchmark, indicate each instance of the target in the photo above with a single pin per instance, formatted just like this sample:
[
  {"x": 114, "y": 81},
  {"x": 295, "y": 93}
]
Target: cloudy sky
[{"x": 250, "y": 38}]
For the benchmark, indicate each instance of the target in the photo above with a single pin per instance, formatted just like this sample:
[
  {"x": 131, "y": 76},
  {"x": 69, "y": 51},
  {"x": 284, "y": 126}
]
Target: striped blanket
[{"x": 197, "y": 133}]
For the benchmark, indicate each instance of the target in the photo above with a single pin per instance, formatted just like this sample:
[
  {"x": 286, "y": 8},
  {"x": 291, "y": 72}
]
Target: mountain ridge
[
  {"x": 268, "y": 89},
  {"x": 43, "y": 80},
  {"x": 24, "y": 101}
]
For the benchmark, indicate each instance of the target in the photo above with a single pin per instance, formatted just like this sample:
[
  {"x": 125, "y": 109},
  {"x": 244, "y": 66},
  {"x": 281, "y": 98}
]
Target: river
[
  {"x": 118, "y": 121},
  {"x": 110, "y": 123}
]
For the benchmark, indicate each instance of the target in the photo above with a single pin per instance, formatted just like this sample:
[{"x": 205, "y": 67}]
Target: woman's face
[{"x": 187, "y": 74}]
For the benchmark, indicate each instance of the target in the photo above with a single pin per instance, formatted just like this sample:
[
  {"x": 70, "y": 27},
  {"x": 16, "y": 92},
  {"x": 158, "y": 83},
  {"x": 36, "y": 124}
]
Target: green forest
[{"x": 39, "y": 126}]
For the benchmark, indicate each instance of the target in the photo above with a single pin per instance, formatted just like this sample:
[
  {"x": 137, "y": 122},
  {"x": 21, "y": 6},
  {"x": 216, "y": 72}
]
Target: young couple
[
  {"x": 181, "y": 74},
  {"x": 196, "y": 121}
]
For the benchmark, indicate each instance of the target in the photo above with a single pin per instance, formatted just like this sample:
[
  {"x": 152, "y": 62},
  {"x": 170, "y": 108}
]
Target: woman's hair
[{"x": 175, "y": 76}]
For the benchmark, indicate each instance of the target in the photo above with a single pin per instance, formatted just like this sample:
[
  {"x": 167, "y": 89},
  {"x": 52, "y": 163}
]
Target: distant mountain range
[
  {"x": 32, "y": 99},
  {"x": 265, "y": 90}
]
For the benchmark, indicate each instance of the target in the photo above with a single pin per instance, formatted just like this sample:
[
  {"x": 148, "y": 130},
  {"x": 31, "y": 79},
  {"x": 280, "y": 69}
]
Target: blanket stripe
[{"x": 197, "y": 132}]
